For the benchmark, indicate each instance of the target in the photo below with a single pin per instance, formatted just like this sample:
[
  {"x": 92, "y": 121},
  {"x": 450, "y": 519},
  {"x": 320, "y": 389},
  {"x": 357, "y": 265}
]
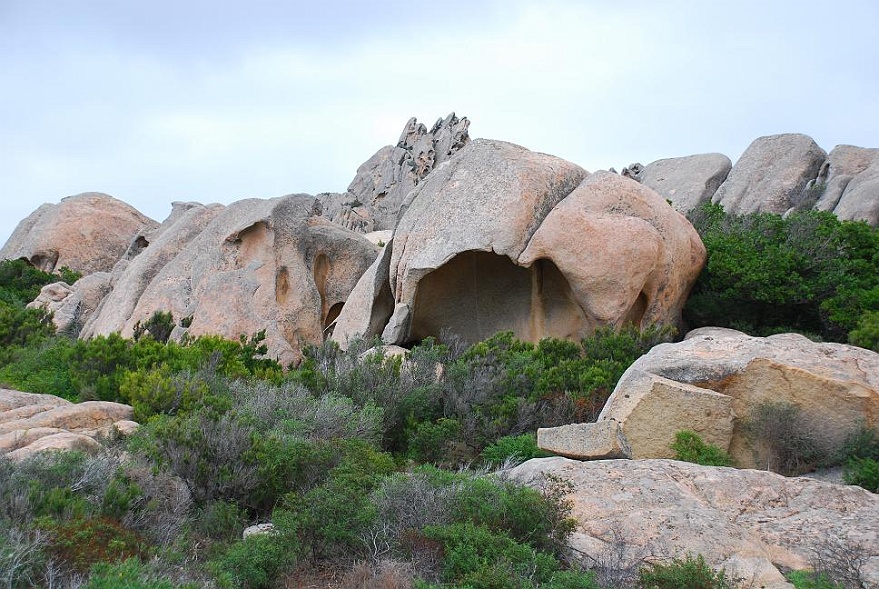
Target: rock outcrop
[
  {"x": 72, "y": 305},
  {"x": 754, "y": 524},
  {"x": 771, "y": 175},
  {"x": 687, "y": 182},
  {"x": 713, "y": 381},
  {"x": 502, "y": 238},
  {"x": 31, "y": 423},
  {"x": 276, "y": 265},
  {"x": 87, "y": 233},
  {"x": 373, "y": 199},
  {"x": 851, "y": 184}
]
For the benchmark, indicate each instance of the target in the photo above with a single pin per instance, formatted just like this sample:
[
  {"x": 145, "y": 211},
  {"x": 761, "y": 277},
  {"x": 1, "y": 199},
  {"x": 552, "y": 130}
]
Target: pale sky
[{"x": 155, "y": 101}]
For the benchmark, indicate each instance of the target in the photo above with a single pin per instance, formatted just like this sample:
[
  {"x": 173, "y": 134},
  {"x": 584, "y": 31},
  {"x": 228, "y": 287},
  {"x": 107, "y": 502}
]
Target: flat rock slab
[
  {"x": 585, "y": 441},
  {"x": 752, "y": 523}
]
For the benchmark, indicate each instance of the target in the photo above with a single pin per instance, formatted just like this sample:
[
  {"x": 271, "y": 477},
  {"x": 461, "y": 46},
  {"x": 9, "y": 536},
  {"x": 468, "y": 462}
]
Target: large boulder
[
  {"x": 714, "y": 381},
  {"x": 502, "y": 238},
  {"x": 688, "y": 181},
  {"x": 87, "y": 233},
  {"x": 771, "y": 174},
  {"x": 31, "y": 423},
  {"x": 375, "y": 196},
  {"x": 148, "y": 257},
  {"x": 626, "y": 255},
  {"x": 852, "y": 184},
  {"x": 754, "y": 524},
  {"x": 276, "y": 265}
]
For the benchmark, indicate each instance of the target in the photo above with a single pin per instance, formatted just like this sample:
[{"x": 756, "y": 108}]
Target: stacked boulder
[{"x": 714, "y": 381}]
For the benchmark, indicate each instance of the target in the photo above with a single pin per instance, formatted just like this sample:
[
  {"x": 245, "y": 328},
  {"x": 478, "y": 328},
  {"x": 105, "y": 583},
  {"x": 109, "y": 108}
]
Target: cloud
[{"x": 160, "y": 101}]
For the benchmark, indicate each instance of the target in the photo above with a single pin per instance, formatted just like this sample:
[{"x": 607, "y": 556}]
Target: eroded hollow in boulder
[{"x": 477, "y": 294}]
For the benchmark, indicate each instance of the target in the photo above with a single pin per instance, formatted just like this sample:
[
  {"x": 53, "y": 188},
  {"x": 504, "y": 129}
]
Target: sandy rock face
[
  {"x": 31, "y": 423},
  {"x": 274, "y": 264},
  {"x": 750, "y": 522},
  {"x": 501, "y": 238},
  {"x": 713, "y": 380},
  {"x": 687, "y": 181},
  {"x": 88, "y": 233},
  {"x": 771, "y": 173}
]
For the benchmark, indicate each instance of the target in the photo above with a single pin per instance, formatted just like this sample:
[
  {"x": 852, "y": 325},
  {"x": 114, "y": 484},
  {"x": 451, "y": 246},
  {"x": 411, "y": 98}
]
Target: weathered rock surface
[
  {"x": 274, "y": 264},
  {"x": 459, "y": 239},
  {"x": 688, "y": 181},
  {"x": 585, "y": 441},
  {"x": 72, "y": 305},
  {"x": 626, "y": 255},
  {"x": 501, "y": 238},
  {"x": 154, "y": 251},
  {"x": 88, "y": 233},
  {"x": 374, "y": 197},
  {"x": 771, "y": 174},
  {"x": 852, "y": 184},
  {"x": 717, "y": 376},
  {"x": 751, "y": 523},
  {"x": 31, "y": 423},
  {"x": 652, "y": 409}
]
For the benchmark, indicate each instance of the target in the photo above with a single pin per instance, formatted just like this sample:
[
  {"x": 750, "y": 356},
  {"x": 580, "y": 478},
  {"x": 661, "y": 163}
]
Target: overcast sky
[{"x": 155, "y": 101}]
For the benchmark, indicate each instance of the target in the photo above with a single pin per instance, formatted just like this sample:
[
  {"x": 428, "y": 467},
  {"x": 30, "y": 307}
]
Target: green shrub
[
  {"x": 429, "y": 442},
  {"x": 329, "y": 518},
  {"x": 253, "y": 563},
  {"x": 128, "y": 574},
  {"x": 160, "y": 390},
  {"x": 807, "y": 272},
  {"x": 691, "y": 572},
  {"x": 520, "y": 448},
  {"x": 159, "y": 326},
  {"x": 20, "y": 326},
  {"x": 40, "y": 368},
  {"x": 811, "y": 580},
  {"x": 83, "y": 542},
  {"x": 20, "y": 283},
  {"x": 220, "y": 520},
  {"x": 690, "y": 447},
  {"x": 863, "y": 472},
  {"x": 476, "y": 556}
]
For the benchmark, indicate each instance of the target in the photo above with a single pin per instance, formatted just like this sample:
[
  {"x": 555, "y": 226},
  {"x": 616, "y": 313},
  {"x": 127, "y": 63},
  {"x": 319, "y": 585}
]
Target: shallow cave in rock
[{"x": 477, "y": 294}]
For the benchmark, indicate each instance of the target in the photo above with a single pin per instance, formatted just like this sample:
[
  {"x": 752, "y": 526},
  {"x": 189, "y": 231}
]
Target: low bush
[
  {"x": 863, "y": 472},
  {"x": 690, "y": 447},
  {"x": 82, "y": 542},
  {"x": 22, "y": 556},
  {"x": 517, "y": 448},
  {"x": 253, "y": 563},
  {"x": 128, "y": 574},
  {"x": 811, "y": 580},
  {"x": 690, "y": 572},
  {"x": 790, "y": 441}
]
